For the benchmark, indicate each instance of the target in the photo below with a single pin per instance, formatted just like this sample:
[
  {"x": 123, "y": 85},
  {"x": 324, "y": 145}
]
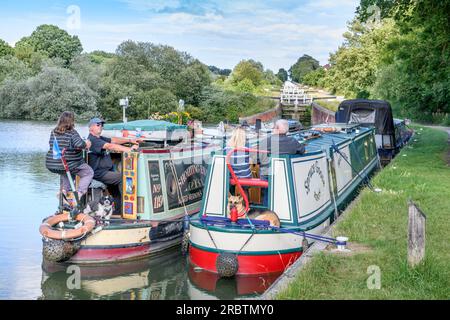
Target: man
[
  {"x": 277, "y": 144},
  {"x": 100, "y": 158}
]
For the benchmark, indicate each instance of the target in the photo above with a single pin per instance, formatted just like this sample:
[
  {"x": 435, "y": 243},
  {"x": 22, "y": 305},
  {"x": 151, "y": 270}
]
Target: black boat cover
[{"x": 377, "y": 113}]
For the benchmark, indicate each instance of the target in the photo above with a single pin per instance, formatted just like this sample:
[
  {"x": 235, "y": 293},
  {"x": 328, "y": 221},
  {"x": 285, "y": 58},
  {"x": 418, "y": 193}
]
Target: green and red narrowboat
[
  {"x": 306, "y": 192},
  {"x": 162, "y": 186}
]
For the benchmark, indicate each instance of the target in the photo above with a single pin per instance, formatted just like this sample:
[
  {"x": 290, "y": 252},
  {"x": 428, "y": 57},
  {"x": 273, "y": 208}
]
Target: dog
[
  {"x": 102, "y": 208},
  {"x": 267, "y": 215}
]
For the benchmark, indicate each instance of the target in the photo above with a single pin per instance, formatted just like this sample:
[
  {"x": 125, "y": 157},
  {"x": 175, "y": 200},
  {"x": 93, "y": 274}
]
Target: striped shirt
[
  {"x": 240, "y": 162},
  {"x": 72, "y": 142}
]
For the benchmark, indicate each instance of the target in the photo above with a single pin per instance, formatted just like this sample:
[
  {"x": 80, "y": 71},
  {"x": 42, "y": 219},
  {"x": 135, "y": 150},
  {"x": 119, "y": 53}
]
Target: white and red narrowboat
[
  {"x": 305, "y": 191},
  {"x": 162, "y": 186}
]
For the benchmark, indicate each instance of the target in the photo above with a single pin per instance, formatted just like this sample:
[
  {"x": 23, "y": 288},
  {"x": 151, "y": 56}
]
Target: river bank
[{"x": 378, "y": 222}]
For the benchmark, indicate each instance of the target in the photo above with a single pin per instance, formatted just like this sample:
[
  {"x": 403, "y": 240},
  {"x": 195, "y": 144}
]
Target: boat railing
[{"x": 247, "y": 182}]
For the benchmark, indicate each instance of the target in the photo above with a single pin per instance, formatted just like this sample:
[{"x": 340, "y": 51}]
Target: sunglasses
[{"x": 99, "y": 124}]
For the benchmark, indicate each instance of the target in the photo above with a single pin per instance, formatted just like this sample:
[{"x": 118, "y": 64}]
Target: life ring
[{"x": 47, "y": 230}]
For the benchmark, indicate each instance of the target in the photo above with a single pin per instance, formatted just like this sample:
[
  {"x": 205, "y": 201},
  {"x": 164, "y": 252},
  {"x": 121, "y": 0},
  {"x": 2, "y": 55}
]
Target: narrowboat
[
  {"x": 305, "y": 191},
  {"x": 162, "y": 186},
  {"x": 390, "y": 134}
]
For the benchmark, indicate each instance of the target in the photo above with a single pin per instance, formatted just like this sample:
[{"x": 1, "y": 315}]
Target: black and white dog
[{"x": 102, "y": 208}]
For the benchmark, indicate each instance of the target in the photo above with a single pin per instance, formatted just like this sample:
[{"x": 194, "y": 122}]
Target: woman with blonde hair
[{"x": 240, "y": 160}]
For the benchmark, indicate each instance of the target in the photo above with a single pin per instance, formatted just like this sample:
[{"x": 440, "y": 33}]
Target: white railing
[{"x": 292, "y": 94}]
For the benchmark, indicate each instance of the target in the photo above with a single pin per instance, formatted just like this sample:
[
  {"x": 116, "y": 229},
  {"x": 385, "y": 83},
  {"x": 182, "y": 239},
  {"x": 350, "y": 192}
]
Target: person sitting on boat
[
  {"x": 278, "y": 143},
  {"x": 68, "y": 138},
  {"x": 240, "y": 160},
  {"x": 100, "y": 158}
]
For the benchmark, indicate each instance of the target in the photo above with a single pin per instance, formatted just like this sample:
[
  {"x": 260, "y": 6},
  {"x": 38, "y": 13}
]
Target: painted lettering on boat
[{"x": 313, "y": 171}]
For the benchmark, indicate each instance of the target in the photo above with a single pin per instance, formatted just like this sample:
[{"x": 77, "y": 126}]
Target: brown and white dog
[{"x": 267, "y": 215}]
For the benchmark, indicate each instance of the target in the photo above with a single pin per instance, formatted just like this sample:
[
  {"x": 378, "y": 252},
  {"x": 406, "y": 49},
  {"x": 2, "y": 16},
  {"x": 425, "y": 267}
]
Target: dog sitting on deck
[
  {"x": 102, "y": 208},
  {"x": 267, "y": 215}
]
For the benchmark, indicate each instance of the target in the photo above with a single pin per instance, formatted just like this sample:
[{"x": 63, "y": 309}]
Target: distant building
[{"x": 327, "y": 67}]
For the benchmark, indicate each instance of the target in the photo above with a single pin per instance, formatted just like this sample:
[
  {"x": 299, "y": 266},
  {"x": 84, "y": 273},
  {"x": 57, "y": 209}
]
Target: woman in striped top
[
  {"x": 240, "y": 160},
  {"x": 68, "y": 138}
]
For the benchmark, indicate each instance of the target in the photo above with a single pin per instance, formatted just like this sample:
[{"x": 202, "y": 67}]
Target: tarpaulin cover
[
  {"x": 377, "y": 113},
  {"x": 145, "y": 125}
]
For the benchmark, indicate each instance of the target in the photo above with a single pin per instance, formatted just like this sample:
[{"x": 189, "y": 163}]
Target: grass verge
[{"x": 380, "y": 222}]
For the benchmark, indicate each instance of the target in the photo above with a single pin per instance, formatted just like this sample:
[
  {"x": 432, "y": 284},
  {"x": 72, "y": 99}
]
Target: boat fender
[
  {"x": 59, "y": 250},
  {"x": 227, "y": 265},
  {"x": 185, "y": 243}
]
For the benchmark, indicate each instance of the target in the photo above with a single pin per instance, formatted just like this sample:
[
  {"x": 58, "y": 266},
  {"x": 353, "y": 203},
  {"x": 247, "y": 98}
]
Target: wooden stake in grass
[{"x": 416, "y": 235}]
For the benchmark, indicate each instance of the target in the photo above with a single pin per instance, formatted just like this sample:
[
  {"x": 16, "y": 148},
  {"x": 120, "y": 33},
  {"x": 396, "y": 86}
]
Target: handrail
[{"x": 235, "y": 178}]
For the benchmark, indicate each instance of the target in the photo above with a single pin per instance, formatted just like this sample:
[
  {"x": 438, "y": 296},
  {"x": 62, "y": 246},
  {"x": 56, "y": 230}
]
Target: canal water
[{"x": 28, "y": 194}]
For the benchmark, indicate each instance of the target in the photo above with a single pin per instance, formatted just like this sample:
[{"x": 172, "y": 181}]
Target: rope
[
  {"x": 330, "y": 181},
  {"x": 364, "y": 179},
  {"x": 179, "y": 192},
  {"x": 284, "y": 230}
]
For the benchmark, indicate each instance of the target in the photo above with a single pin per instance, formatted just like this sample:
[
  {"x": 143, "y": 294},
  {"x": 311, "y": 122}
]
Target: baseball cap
[{"x": 96, "y": 121}]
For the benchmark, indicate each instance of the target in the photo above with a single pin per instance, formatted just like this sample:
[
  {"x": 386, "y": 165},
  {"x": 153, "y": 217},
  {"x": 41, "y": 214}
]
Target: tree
[
  {"x": 282, "y": 75},
  {"x": 13, "y": 68},
  {"x": 315, "y": 78},
  {"x": 220, "y": 72},
  {"x": 247, "y": 69},
  {"x": 46, "y": 96},
  {"x": 53, "y": 42},
  {"x": 304, "y": 65},
  {"x": 5, "y": 49}
]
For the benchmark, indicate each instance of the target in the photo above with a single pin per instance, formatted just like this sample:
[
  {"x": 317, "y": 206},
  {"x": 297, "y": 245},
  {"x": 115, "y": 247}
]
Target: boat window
[{"x": 362, "y": 116}]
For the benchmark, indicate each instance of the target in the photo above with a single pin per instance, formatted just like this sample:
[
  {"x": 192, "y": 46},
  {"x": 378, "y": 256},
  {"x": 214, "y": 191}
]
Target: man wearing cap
[{"x": 100, "y": 158}]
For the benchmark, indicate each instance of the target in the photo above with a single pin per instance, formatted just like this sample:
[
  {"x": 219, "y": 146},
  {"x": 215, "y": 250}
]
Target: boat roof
[
  {"x": 359, "y": 110},
  {"x": 145, "y": 125},
  {"x": 322, "y": 141}
]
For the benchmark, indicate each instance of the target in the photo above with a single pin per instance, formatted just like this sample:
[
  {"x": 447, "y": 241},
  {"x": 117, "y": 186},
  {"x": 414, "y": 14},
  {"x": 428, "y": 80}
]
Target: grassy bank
[
  {"x": 330, "y": 105},
  {"x": 380, "y": 221}
]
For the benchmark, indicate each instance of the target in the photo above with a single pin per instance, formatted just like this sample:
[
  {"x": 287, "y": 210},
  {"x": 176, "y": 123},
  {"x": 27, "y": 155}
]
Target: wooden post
[{"x": 416, "y": 235}]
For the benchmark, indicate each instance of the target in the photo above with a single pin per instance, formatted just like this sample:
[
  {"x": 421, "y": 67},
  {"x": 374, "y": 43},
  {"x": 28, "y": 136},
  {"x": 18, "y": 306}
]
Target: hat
[{"x": 96, "y": 121}]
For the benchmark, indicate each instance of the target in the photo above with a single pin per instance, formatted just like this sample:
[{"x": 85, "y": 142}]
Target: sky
[{"x": 217, "y": 32}]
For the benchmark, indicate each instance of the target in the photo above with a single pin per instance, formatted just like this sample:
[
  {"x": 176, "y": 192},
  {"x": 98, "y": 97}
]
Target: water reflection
[
  {"x": 158, "y": 278},
  {"x": 204, "y": 285}
]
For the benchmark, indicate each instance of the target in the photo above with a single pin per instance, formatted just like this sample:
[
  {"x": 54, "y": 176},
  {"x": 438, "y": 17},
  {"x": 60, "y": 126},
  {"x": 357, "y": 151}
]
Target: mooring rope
[{"x": 364, "y": 179}]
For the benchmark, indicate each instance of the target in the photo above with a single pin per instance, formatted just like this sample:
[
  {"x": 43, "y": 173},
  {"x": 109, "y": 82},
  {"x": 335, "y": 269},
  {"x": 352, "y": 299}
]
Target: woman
[
  {"x": 68, "y": 138},
  {"x": 239, "y": 160}
]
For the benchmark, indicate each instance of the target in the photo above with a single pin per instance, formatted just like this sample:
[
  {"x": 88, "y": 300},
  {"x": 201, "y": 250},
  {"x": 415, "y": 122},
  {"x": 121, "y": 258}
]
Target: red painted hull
[
  {"x": 102, "y": 255},
  {"x": 248, "y": 264}
]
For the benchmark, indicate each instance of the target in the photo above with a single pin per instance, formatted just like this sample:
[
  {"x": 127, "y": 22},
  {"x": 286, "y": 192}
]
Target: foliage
[
  {"x": 51, "y": 41},
  {"x": 314, "y": 78},
  {"x": 218, "y": 104},
  {"x": 248, "y": 69},
  {"x": 404, "y": 58},
  {"x": 13, "y": 68},
  {"x": 47, "y": 95},
  {"x": 220, "y": 72},
  {"x": 304, "y": 65},
  {"x": 5, "y": 49},
  {"x": 283, "y": 75}
]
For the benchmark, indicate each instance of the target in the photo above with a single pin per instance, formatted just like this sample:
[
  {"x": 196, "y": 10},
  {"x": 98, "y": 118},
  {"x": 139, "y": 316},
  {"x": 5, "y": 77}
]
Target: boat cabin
[
  {"x": 166, "y": 174},
  {"x": 303, "y": 190}
]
